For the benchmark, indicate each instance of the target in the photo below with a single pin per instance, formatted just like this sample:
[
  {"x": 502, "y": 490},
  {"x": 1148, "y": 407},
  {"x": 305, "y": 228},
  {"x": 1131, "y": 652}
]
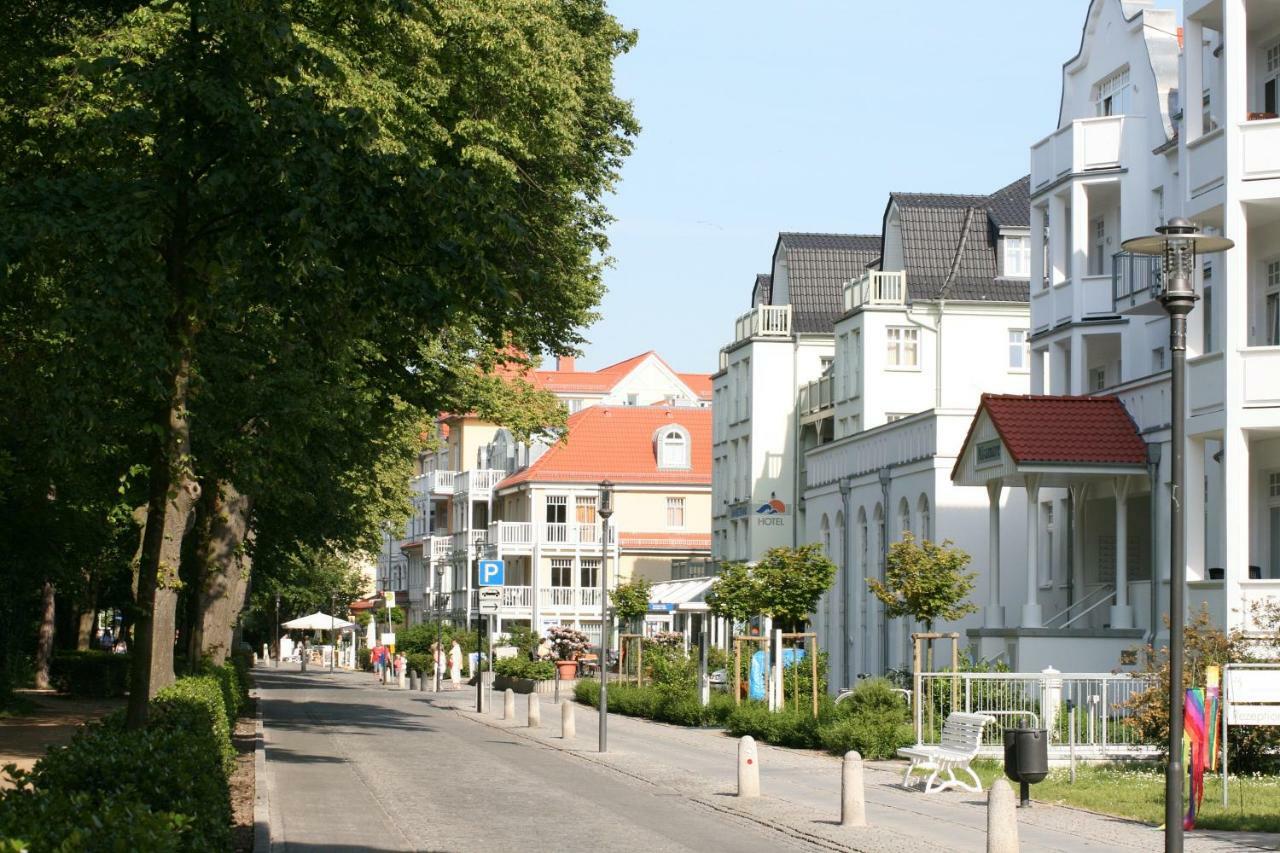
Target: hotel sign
[{"x": 989, "y": 452}]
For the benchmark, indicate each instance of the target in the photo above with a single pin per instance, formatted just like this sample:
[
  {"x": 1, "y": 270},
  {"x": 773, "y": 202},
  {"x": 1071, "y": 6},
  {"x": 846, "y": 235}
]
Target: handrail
[
  {"x": 1091, "y": 608},
  {"x": 1107, "y": 591}
]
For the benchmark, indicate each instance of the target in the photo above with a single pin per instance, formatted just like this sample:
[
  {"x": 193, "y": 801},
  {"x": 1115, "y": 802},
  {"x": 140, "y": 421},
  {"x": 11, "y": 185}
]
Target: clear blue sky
[{"x": 802, "y": 115}]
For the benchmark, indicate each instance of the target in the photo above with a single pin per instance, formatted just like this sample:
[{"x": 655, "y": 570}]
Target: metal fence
[{"x": 1086, "y": 714}]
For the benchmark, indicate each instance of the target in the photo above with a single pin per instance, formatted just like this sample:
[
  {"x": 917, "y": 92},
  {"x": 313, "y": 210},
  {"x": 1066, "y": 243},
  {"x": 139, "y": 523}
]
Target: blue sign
[
  {"x": 492, "y": 572},
  {"x": 662, "y": 607}
]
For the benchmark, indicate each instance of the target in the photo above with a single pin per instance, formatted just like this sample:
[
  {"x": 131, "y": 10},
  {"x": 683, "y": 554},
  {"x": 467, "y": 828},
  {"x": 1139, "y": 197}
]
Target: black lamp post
[
  {"x": 605, "y": 511},
  {"x": 1177, "y": 243}
]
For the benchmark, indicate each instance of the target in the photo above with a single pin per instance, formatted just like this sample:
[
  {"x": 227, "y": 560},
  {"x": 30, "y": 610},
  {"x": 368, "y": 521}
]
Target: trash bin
[{"x": 1026, "y": 758}]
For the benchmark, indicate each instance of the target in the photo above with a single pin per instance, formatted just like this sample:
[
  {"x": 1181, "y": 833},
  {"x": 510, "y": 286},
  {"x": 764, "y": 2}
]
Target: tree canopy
[
  {"x": 926, "y": 581},
  {"x": 785, "y": 585}
]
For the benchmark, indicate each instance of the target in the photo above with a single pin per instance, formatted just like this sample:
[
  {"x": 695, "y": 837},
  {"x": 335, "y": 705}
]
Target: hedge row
[
  {"x": 161, "y": 788},
  {"x": 91, "y": 673},
  {"x": 661, "y": 702}
]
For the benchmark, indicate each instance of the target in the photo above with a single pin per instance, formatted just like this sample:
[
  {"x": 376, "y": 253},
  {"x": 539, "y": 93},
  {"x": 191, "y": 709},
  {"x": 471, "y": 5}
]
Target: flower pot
[{"x": 567, "y": 670}]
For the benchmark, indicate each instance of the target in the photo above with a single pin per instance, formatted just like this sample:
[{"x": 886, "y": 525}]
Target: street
[{"x": 355, "y": 766}]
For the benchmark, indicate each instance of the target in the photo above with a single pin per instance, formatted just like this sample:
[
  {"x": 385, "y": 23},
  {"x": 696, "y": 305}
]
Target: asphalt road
[{"x": 354, "y": 766}]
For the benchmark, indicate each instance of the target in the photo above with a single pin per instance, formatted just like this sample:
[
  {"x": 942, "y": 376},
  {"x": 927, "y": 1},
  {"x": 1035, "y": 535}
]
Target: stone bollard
[
  {"x": 748, "y": 768},
  {"x": 1002, "y": 819},
  {"x": 535, "y": 711},
  {"x": 422, "y": 682},
  {"x": 508, "y": 704},
  {"x": 400, "y": 680},
  {"x": 413, "y": 679},
  {"x": 853, "y": 803},
  {"x": 568, "y": 727}
]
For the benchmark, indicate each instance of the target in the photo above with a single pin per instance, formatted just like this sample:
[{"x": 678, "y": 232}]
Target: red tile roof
[
  {"x": 665, "y": 541},
  {"x": 606, "y": 378},
  {"x": 1064, "y": 430},
  {"x": 616, "y": 443}
]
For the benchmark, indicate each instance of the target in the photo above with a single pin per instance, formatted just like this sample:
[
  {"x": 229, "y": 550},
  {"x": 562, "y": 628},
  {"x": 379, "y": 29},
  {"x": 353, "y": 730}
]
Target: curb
[{"x": 261, "y": 798}]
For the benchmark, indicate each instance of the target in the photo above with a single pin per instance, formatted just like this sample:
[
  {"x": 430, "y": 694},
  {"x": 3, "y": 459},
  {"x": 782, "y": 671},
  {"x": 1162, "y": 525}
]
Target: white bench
[{"x": 961, "y": 737}]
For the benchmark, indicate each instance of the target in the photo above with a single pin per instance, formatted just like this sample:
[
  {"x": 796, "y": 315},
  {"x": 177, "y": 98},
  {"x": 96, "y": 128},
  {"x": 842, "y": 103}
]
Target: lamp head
[
  {"x": 606, "y": 499},
  {"x": 1177, "y": 243}
]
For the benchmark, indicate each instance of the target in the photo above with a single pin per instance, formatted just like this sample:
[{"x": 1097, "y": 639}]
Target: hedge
[
  {"x": 161, "y": 788},
  {"x": 521, "y": 667},
  {"x": 91, "y": 673},
  {"x": 664, "y": 703}
]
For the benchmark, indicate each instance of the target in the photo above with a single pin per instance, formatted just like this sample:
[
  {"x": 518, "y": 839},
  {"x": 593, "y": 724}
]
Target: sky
[{"x": 760, "y": 116}]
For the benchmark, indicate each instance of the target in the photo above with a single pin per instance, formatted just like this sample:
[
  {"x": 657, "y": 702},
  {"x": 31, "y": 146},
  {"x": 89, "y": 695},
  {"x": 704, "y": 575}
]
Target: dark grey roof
[
  {"x": 949, "y": 242},
  {"x": 762, "y": 290},
  {"x": 818, "y": 265}
]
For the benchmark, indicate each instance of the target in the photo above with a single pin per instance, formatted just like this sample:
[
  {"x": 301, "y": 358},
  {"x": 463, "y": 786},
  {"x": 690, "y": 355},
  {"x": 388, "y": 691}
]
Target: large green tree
[
  {"x": 785, "y": 585},
  {"x": 245, "y": 210}
]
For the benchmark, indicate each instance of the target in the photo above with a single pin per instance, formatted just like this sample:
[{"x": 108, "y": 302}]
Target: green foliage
[
  {"x": 785, "y": 585},
  {"x": 567, "y": 643},
  {"x": 419, "y": 663},
  {"x": 70, "y": 822},
  {"x": 797, "y": 678},
  {"x": 523, "y": 638},
  {"x": 925, "y": 581},
  {"x": 665, "y": 703},
  {"x": 364, "y": 658},
  {"x": 421, "y": 638},
  {"x": 91, "y": 674},
  {"x": 522, "y": 667},
  {"x": 787, "y": 727},
  {"x": 670, "y": 665},
  {"x": 631, "y": 600},
  {"x": 874, "y": 720},
  {"x": 198, "y": 704}
]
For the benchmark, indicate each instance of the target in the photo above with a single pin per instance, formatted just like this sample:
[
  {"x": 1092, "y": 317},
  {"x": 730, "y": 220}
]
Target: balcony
[
  {"x": 478, "y": 482},
  {"x": 1085, "y": 145},
  {"x": 816, "y": 396},
  {"x": 440, "y": 483},
  {"x": 763, "y": 321},
  {"x": 1136, "y": 284},
  {"x": 572, "y": 598},
  {"x": 876, "y": 288},
  {"x": 519, "y": 537},
  {"x": 440, "y": 547},
  {"x": 1260, "y": 149},
  {"x": 465, "y": 542},
  {"x": 1261, "y": 376}
]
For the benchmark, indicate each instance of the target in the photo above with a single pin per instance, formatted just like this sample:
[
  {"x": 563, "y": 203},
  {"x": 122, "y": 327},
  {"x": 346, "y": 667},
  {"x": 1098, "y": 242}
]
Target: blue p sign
[{"x": 492, "y": 572}]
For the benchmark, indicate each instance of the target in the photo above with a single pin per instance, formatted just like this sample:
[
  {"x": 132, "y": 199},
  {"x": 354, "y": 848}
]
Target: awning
[
  {"x": 684, "y": 596},
  {"x": 318, "y": 622}
]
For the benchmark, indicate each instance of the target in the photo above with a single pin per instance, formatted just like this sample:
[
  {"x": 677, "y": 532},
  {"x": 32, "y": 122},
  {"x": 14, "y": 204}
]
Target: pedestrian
[
  {"x": 438, "y": 658},
  {"x": 376, "y": 657},
  {"x": 455, "y": 665}
]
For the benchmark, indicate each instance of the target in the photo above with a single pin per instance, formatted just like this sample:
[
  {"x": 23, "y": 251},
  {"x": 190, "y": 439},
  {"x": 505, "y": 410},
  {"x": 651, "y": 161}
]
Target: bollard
[
  {"x": 400, "y": 680},
  {"x": 1002, "y": 819},
  {"x": 568, "y": 727},
  {"x": 748, "y": 768},
  {"x": 422, "y": 682},
  {"x": 413, "y": 679},
  {"x": 853, "y": 804},
  {"x": 535, "y": 711},
  {"x": 508, "y": 704}
]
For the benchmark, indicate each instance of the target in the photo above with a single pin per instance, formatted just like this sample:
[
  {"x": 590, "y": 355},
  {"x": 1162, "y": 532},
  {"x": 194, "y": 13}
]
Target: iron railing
[{"x": 1135, "y": 279}]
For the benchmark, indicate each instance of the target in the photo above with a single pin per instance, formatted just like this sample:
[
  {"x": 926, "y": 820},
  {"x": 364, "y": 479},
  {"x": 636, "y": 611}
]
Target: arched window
[
  {"x": 904, "y": 517},
  {"x": 824, "y": 528},
  {"x": 922, "y": 509},
  {"x": 841, "y": 539},
  {"x": 862, "y": 541},
  {"x": 671, "y": 445},
  {"x": 878, "y": 515}
]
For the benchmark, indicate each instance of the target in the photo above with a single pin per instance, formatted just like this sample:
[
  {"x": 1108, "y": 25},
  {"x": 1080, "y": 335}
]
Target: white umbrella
[{"x": 318, "y": 622}]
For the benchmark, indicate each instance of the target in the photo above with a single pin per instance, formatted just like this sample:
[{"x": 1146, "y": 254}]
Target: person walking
[{"x": 455, "y": 665}]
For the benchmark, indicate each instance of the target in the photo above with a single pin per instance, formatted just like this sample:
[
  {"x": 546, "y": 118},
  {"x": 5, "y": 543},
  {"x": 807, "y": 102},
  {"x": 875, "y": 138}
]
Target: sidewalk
[{"x": 801, "y": 790}]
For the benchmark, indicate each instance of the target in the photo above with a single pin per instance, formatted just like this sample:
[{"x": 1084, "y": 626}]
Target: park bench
[{"x": 961, "y": 737}]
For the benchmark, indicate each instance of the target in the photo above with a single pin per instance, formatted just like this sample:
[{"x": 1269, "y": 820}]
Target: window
[
  {"x": 1017, "y": 257},
  {"x": 1112, "y": 94},
  {"x": 1098, "y": 249},
  {"x": 824, "y": 363},
  {"x": 890, "y": 417},
  {"x": 1206, "y": 315},
  {"x": 557, "y": 509},
  {"x": 633, "y": 399},
  {"x": 904, "y": 516},
  {"x": 1097, "y": 378},
  {"x": 589, "y": 576},
  {"x": 1019, "y": 350},
  {"x": 1046, "y": 558},
  {"x": 1157, "y": 359},
  {"x": 1273, "y": 524},
  {"x": 1206, "y": 105},
  {"x": 1270, "y": 76},
  {"x": 575, "y": 405},
  {"x": 673, "y": 447},
  {"x": 584, "y": 509},
  {"x": 922, "y": 509},
  {"x": 561, "y": 571},
  {"x": 1271, "y": 332},
  {"x": 904, "y": 346},
  {"x": 675, "y": 513}
]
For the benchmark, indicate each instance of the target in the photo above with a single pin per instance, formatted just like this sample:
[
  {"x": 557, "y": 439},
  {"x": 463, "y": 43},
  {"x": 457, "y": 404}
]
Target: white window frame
[
  {"x": 1017, "y": 256},
  {"x": 902, "y": 348},
  {"x": 670, "y": 439},
  {"x": 1269, "y": 74},
  {"x": 561, "y": 569},
  {"x": 675, "y": 513},
  {"x": 1271, "y": 302},
  {"x": 1048, "y": 544},
  {"x": 1112, "y": 96},
  {"x": 1157, "y": 359},
  {"x": 1019, "y": 351},
  {"x": 589, "y": 572},
  {"x": 1097, "y": 378}
]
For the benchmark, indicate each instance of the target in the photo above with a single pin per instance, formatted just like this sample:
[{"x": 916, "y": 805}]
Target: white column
[
  {"x": 1080, "y": 239},
  {"x": 1031, "y": 617},
  {"x": 1193, "y": 506},
  {"x": 994, "y": 615},
  {"x": 1058, "y": 248},
  {"x": 1121, "y": 613},
  {"x": 1079, "y": 501},
  {"x": 1193, "y": 62}
]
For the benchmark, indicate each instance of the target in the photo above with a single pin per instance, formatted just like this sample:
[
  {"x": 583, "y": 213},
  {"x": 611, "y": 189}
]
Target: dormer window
[
  {"x": 672, "y": 447},
  {"x": 1017, "y": 256}
]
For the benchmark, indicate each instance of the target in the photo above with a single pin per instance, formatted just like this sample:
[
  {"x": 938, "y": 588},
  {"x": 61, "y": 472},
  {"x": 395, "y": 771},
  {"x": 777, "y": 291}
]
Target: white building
[
  {"x": 1146, "y": 133},
  {"x": 939, "y": 317}
]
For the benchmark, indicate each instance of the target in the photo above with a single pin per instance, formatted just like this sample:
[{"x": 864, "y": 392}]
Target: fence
[{"x": 1094, "y": 704}]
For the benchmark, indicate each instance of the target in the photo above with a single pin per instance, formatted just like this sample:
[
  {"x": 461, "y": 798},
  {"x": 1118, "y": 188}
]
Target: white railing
[
  {"x": 816, "y": 395},
  {"x": 589, "y": 597},
  {"x": 440, "y": 546},
  {"x": 558, "y": 533},
  {"x": 463, "y": 540},
  {"x": 477, "y": 480},
  {"x": 514, "y": 597},
  {"x": 1087, "y": 710},
  {"x": 1261, "y": 376},
  {"x": 569, "y": 598},
  {"x": 1260, "y": 144},
  {"x": 1084, "y": 145},
  {"x": 511, "y": 533},
  {"x": 441, "y": 482},
  {"x": 763, "y": 321},
  {"x": 876, "y": 288}
]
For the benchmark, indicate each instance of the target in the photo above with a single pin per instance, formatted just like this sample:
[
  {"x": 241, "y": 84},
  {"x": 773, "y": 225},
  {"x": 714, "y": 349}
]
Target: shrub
[
  {"x": 567, "y": 643},
  {"x": 233, "y": 696},
  {"x": 788, "y": 727},
  {"x": 364, "y": 659},
  {"x": 197, "y": 703},
  {"x": 66, "y": 821},
  {"x": 93, "y": 673},
  {"x": 519, "y": 667},
  {"x": 420, "y": 662},
  {"x": 874, "y": 720}
]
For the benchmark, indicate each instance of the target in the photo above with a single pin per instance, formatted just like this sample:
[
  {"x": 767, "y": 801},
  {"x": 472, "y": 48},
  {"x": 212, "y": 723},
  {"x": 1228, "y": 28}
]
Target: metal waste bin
[{"x": 1026, "y": 758}]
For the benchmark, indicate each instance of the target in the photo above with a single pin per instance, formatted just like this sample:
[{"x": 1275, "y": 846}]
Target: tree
[
  {"x": 631, "y": 600},
  {"x": 925, "y": 581},
  {"x": 229, "y": 203},
  {"x": 784, "y": 585}
]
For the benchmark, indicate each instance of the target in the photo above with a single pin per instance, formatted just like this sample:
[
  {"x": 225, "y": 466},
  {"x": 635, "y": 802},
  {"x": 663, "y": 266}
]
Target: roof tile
[{"x": 1057, "y": 429}]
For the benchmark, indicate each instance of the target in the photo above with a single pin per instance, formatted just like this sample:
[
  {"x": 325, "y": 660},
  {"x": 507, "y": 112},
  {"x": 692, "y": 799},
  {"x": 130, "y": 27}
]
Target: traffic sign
[
  {"x": 490, "y": 605},
  {"x": 492, "y": 572},
  {"x": 490, "y": 592}
]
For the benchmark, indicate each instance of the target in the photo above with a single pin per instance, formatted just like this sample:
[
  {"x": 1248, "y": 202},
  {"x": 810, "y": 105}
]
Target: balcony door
[
  {"x": 1270, "y": 76},
  {"x": 557, "y": 518},
  {"x": 1271, "y": 304}
]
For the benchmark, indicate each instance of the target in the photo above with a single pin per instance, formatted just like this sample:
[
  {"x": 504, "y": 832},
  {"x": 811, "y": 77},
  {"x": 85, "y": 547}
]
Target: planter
[
  {"x": 567, "y": 669},
  {"x": 524, "y": 685}
]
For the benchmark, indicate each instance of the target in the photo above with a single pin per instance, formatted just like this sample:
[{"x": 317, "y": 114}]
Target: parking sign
[{"x": 492, "y": 572}]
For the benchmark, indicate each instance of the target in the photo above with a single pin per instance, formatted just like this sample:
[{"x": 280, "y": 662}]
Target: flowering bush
[
  {"x": 670, "y": 639},
  {"x": 567, "y": 643}
]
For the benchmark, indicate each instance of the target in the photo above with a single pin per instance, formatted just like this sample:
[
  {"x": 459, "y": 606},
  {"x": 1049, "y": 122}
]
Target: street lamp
[
  {"x": 277, "y": 630},
  {"x": 333, "y": 633},
  {"x": 435, "y": 659},
  {"x": 605, "y": 510},
  {"x": 1176, "y": 243}
]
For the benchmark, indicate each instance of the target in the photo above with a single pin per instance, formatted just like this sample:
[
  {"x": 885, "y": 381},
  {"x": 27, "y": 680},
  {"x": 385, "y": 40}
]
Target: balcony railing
[
  {"x": 460, "y": 542},
  {"x": 441, "y": 482},
  {"x": 876, "y": 288},
  {"x": 440, "y": 546},
  {"x": 477, "y": 480},
  {"x": 569, "y": 598},
  {"x": 1083, "y": 145},
  {"x": 1135, "y": 280},
  {"x": 816, "y": 395},
  {"x": 524, "y": 534},
  {"x": 763, "y": 321}
]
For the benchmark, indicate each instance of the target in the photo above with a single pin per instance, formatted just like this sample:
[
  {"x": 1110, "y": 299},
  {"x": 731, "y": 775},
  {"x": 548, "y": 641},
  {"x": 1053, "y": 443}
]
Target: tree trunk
[
  {"x": 225, "y": 570},
  {"x": 195, "y": 568},
  {"x": 44, "y": 643},
  {"x": 85, "y": 625}
]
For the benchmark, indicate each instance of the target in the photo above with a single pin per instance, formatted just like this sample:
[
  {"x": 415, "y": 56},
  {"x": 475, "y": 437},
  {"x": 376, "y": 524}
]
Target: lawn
[{"x": 1138, "y": 793}]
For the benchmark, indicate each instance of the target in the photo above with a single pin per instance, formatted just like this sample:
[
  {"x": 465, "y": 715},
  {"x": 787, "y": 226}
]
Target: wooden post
[
  {"x": 915, "y": 674},
  {"x": 813, "y": 658},
  {"x": 639, "y": 662},
  {"x": 737, "y": 671}
]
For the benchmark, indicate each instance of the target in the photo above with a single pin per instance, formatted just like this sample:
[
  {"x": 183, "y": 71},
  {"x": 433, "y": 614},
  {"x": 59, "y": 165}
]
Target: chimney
[{"x": 564, "y": 364}]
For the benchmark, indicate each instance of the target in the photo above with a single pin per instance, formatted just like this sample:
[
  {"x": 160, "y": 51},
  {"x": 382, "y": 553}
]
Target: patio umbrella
[{"x": 318, "y": 622}]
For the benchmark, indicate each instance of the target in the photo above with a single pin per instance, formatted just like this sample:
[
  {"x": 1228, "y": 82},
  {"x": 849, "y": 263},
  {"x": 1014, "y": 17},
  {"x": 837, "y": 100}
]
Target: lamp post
[
  {"x": 333, "y": 633},
  {"x": 1176, "y": 243},
  {"x": 435, "y": 659},
  {"x": 277, "y": 630},
  {"x": 605, "y": 511}
]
